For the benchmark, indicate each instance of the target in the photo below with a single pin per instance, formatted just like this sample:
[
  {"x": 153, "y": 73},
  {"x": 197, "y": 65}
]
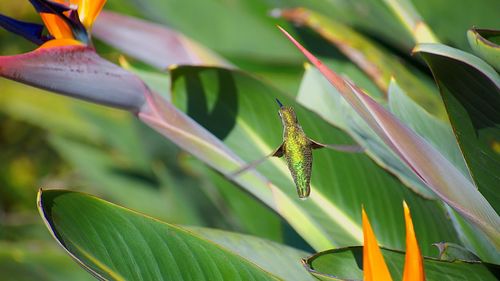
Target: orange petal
[
  {"x": 60, "y": 42},
  {"x": 56, "y": 26},
  {"x": 414, "y": 269},
  {"x": 374, "y": 267},
  {"x": 88, "y": 10}
]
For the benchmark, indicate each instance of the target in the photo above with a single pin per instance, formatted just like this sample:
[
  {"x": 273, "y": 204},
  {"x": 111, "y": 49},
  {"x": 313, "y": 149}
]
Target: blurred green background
[{"x": 54, "y": 142}]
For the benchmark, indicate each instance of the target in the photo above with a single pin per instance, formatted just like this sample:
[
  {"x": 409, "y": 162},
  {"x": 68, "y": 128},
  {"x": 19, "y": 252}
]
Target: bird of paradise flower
[{"x": 374, "y": 266}]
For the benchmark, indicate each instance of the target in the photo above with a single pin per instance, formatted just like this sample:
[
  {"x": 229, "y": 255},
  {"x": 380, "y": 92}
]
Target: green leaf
[
  {"x": 241, "y": 111},
  {"x": 112, "y": 179},
  {"x": 115, "y": 243},
  {"x": 471, "y": 91},
  {"x": 346, "y": 264},
  {"x": 278, "y": 259},
  {"x": 427, "y": 162},
  {"x": 441, "y": 136},
  {"x": 317, "y": 94},
  {"x": 485, "y": 44}
]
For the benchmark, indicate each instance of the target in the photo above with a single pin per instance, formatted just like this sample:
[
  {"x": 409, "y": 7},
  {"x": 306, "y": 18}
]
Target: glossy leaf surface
[{"x": 112, "y": 242}]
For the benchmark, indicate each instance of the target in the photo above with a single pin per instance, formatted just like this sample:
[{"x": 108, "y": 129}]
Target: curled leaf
[{"x": 486, "y": 44}]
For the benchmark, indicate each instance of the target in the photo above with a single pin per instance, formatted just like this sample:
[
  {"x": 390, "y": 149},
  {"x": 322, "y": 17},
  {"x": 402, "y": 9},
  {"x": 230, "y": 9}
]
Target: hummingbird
[{"x": 297, "y": 148}]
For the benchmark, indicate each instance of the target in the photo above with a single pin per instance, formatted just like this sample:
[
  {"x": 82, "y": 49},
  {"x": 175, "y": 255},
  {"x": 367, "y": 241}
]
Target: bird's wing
[
  {"x": 338, "y": 147},
  {"x": 278, "y": 152}
]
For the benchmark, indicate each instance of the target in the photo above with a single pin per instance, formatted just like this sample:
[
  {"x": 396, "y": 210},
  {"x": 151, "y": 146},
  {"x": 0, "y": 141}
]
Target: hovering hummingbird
[{"x": 297, "y": 149}]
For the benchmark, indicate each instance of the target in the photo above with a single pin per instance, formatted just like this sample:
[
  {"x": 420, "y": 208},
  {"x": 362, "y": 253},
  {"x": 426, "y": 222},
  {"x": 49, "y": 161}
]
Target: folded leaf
[
  {"x": 471, "y": 91},
  {"x": 78, "y": 72},
  {"x": 486, "y": 44},
  {"x": 429, "y": 164}
]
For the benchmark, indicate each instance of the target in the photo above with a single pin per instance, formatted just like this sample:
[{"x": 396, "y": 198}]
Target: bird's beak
[{"x": 279, "y": 103}]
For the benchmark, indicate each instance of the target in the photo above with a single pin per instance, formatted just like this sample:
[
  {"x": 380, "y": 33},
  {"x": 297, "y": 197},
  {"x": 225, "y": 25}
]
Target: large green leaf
[
  {"x": 346, "y": 264},
  {"x": 426, "y": 161},
  {"x": 241, "y": 111},
  {"x": 471, "y": 91},
  {"x": 115, "y": 243}
]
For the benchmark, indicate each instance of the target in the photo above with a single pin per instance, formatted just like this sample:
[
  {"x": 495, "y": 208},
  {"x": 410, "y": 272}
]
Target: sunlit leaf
[
  {"x": 190, "y": 136},
  {"x": 242, "y": 111}
]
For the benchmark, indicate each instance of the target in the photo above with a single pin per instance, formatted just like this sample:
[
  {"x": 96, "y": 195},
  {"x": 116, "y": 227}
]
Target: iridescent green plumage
[{"x": 297, "y": 149}]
